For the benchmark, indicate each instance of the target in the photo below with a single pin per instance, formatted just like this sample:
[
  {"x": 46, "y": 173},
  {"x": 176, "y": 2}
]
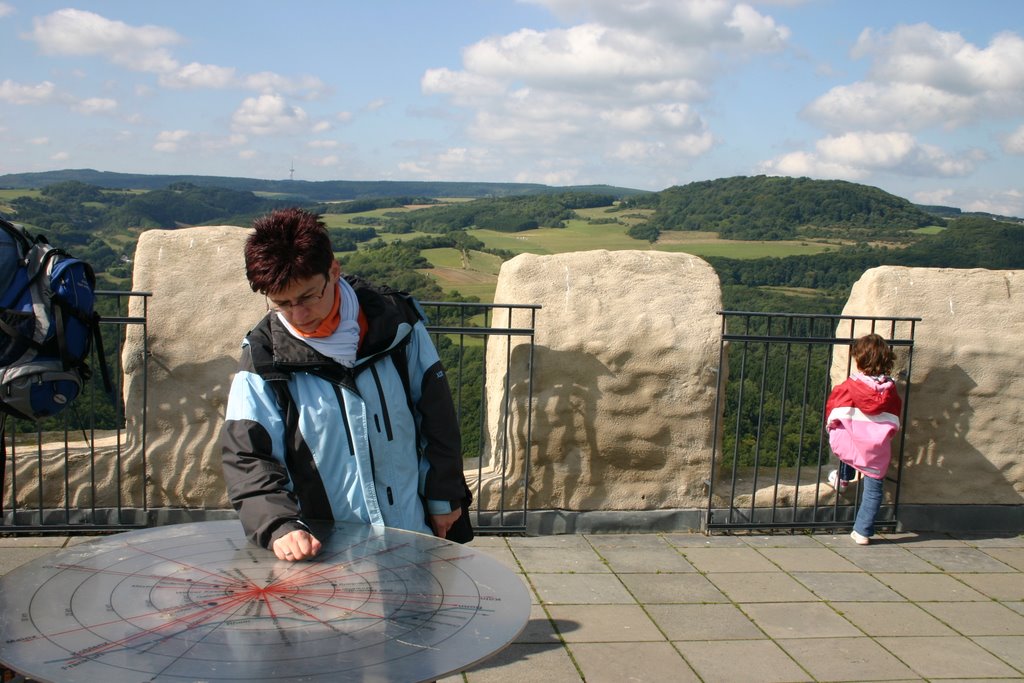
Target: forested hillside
[
  {"x": 777, "y": 208},
  {"x": 512, "y": 214},
  {"x": 299, "y": 190}
]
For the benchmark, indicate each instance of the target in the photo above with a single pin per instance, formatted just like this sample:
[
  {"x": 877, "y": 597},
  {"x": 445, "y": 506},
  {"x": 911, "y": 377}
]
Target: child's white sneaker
[
  {"x": 835, "y": 482},
  {"x": 858, "y": 539}
]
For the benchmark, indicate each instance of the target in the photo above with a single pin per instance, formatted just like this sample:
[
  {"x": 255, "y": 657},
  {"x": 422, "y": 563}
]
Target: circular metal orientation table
[{"x": 197, "y": 602}]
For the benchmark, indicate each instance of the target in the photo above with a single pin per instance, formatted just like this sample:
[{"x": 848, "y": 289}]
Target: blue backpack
[{"x": 47, "y": 325}]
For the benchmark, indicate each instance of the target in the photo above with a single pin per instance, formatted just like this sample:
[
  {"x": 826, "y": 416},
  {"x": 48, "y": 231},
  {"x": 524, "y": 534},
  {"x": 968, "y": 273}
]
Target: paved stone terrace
[{"x": 686, "y": 607}]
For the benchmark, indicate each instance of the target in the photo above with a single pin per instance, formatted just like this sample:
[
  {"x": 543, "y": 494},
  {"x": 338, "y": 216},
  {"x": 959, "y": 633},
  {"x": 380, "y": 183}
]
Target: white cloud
[
  {"x": 454, "y": 163},
  {"x": 999, "y": 202},
  {"x": 170, "y": 140},
  {"x": 696, "y": 22},
  {"x": 1014, "y": 142},
  {"x": 6, "y": 9},
  {"x": 907, "y": 106},
  {"x": 944, "y": 60},
  {"x": 95, "y": 105},
  {"x": 39, "y": 141},
  {"x": 921, "y": 77},
  {"x": 268, "y": 82},
  {"x": 856, "y": 155},
  {"x": 414, "y": 169},
  {"x": 324, "y": 161},
  {"x": 622, "y": 83},
  {"x": 16, "y": 93},
  {"x": 60, "y": 156},
  {"x": 268, "y": 115},
  {"x": 322, "y": 144},
  {"x": 197, "y": 75},
  {"x": 935, "y": 197},
  {"x": 73, "y": 32}
]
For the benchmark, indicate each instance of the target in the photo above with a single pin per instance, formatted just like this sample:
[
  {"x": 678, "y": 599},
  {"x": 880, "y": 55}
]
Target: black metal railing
[
  {"x": 771, "y": 455},
  {"x": 56, "y": 468},
  {"x": 463, "y": 334},
  {"x": 69, "y": 474}
]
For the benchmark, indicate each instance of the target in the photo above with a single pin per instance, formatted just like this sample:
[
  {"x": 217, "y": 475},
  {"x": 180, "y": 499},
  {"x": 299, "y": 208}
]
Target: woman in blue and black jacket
[{"x": 341, "y": 409}]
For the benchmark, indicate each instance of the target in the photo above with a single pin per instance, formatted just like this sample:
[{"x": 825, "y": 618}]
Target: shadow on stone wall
[{"x": 939, "y": 454}]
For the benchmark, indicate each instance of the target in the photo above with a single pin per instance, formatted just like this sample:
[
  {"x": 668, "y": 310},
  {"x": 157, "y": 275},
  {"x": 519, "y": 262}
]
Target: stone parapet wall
[
  {"x": 201, "y": 308},
  {"x": 624, "y": 382},
  {"x": 965, "y": 431}
]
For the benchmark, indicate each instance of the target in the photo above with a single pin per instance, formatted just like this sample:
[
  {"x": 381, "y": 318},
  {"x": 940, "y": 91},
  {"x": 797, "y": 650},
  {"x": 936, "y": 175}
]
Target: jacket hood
[{"x": 870, "y": 394}]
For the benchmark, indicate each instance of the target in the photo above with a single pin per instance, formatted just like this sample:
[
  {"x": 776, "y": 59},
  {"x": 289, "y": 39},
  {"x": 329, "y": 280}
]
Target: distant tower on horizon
[{"x": 291, "y": 171}]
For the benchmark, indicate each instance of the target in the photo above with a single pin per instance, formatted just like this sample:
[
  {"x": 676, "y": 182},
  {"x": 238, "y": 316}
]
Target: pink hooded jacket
[{"x": 862, "y": 417}]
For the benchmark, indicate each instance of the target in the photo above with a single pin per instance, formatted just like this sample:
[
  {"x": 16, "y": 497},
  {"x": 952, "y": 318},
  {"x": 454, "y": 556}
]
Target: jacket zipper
[
  {"x": 383, "y": 403},
  {"x": 344, "y": 419}
]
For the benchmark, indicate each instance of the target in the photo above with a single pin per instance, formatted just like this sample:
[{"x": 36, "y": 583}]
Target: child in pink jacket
[{"x": 862, "y": 416}]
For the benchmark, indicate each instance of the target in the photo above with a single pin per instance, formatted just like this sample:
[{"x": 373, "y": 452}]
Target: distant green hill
[
  {"x": 301, "y": 190},
  {"x": 778, "y": 208}
]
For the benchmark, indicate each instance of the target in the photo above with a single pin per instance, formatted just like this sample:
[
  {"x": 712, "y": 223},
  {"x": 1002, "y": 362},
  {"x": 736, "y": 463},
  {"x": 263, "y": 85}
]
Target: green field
[
  {"x": 478, "y": 277},
  {"x": 576, "y": 236},
  {"x": 745, "y": 249},
  {"x": 8, "y": 195}
]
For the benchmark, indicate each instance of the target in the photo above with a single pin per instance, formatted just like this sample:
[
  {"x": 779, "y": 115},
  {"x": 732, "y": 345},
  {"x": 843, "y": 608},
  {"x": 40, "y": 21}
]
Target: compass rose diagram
[{"x": 196, "y": 602}]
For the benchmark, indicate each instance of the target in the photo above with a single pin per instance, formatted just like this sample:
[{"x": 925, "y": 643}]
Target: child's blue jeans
[{"x": 870, "y": 501}]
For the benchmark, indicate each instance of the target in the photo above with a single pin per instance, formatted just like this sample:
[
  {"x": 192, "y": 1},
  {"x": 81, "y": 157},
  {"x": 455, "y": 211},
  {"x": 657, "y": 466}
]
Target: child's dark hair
[{"x": 873, "y": 355}]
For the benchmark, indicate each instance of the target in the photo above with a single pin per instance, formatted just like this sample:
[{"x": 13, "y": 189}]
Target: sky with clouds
[{"x": 922, "y": 98}]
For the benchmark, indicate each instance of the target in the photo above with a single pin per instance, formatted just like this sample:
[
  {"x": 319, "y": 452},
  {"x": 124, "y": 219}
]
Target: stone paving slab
[
  {"x": 808, "y": 560},
  {"x": 581, "y": 589},
  {"x": 847, "y": 659},
  {"x": 703, "y": 622},
  {"x": 740, "y": 559},
  {"x": 799, "y": 620},
  {"x": 1004, "y": 587},
  {"x": 947, "y": 657},
  {"x": 672, "y": 588},
  {"x": 729, "y": 661},
  {"x": 961, "y": 560},
  {"x": 761, "y": 587},
  {"x": 1008, "y": 648},
  {"x": 643, "y": 560},
  {"x": 977, "y": 618},
  {"x": 847, "y": 586},
  {"x": 929, "y": 587},
  {"x": 886, "y": 558},
  {"x": 892, "y": 619},
  {"x": 550, "y": 560},
  {"x": 633, "y": 662},
  {"x": 603, "y": 623},
  {"x": 1013, "y": 557}
]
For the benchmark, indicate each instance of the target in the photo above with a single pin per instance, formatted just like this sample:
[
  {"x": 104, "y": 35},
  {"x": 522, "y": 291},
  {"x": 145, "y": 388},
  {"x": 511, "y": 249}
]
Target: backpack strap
[{"x": 19, "y": 235}]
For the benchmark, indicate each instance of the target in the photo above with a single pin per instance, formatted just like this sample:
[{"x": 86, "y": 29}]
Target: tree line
[{"x": 776, "y": 208}]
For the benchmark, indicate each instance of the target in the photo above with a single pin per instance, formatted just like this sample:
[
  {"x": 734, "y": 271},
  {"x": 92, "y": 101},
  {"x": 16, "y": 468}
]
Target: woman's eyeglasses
[{"x": 301, "y": 302}]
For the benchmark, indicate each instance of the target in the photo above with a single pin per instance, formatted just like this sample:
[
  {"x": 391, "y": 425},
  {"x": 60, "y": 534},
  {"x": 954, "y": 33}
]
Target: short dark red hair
[
  {"x": 873, "y": 355},
  {"x": 286, "y": 245}
]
